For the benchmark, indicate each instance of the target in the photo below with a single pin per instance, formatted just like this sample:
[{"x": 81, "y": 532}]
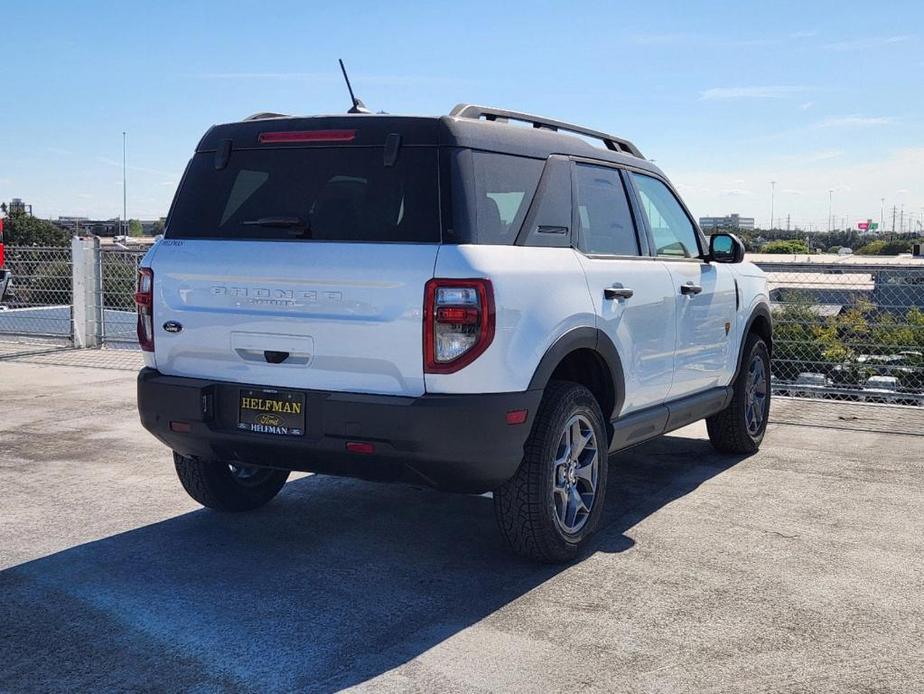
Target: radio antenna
[{"x": 358, "y": 106}]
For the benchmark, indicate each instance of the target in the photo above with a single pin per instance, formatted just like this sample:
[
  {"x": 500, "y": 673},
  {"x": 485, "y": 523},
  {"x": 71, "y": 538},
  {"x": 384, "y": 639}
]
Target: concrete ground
[{"x": 799, "y": 569}]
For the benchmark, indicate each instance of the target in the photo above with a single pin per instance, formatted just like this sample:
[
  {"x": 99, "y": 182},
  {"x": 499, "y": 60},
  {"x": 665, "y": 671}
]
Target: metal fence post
[{"x": 86, "y": 291}]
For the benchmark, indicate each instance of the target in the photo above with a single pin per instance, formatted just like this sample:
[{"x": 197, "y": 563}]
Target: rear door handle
[
  {"x": 617, "y": 293},
  {"x": 690, "y": 289}
]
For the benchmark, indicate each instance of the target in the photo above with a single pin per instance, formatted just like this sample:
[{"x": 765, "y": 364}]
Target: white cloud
[
  {"x": 142, "y": 169},
  {"x": 357, "y": 79},
  {"x": 806, "y": 34},
  {"x": 646, "y": 39},
  {"x": 806, "y": 106},
  {"x": 854, "y": 121},
  {"x": 866, "y": 43},
  {"x": 802, "y": 190},
  {"x": 752, "y": 92},
  {"x": 736, "y": 192}
]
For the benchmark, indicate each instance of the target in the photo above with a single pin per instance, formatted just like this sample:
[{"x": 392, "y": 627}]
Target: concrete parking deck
[{"x": 800, "y": 568}]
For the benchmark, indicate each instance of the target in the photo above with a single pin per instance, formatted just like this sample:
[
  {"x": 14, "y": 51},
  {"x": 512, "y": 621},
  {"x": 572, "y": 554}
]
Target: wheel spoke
[
  {"x": 581, "y": 444},
  {"x": 588, "y": 472}
]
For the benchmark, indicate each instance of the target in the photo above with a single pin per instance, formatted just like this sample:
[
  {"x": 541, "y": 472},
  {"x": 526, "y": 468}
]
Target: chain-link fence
[
  {"x": 118, "y": 269},
  {"x": 36, "y": 307},
  {"x": 849, "y": 332}
]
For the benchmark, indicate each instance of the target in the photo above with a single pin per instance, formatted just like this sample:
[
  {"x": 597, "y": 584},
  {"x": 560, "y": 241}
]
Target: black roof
[{"x": 497, "y": 135}]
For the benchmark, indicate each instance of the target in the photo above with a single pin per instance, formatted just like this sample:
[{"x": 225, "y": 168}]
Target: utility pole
[
  {"x": 881, "y": 207},
  {"x": 787, "y": 221},
  {"x": 830, "y": 220},
  {"x": 124, "y": 225},
  {"x": 772, "y": 191},
  {"x": 901, "y": 217},
  {"x": 893, "y": 219}
]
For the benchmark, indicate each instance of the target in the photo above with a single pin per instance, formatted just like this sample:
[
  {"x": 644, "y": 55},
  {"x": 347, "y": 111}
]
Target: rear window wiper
[{"x": 297, "y": 225}]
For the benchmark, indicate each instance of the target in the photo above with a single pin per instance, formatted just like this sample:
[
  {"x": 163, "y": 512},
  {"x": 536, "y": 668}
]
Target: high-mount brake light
[
  {"x": 458, "y": 323},
  {"x": 144, "y": 302},
  {"x": 307, "y": 136}
]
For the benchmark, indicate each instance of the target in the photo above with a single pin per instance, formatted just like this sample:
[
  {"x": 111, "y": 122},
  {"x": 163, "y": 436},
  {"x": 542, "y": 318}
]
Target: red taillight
[
  {"x": 458, "y": 323},
  {"x": 307, "y": 136},
  {"x": 144, "y": 302}
]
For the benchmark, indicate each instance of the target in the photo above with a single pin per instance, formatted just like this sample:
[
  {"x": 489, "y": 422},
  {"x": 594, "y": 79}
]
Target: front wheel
[
  {"x": 226, "y": 487},
  {"x": 740, "y": 427},
  {"x": 553, "y": 503}
]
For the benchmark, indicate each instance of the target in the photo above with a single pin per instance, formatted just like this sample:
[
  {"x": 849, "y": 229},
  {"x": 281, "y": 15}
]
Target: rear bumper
[{"x": 452, "y": 442}]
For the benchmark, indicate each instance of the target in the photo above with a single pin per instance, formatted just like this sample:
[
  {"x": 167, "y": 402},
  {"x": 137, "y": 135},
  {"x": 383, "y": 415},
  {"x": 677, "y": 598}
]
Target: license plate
[{"x": 277, "y": 412}]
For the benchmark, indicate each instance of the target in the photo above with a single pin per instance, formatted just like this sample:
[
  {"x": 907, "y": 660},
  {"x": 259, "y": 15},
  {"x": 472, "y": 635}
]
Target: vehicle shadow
[{"x": 335, "y": 582}]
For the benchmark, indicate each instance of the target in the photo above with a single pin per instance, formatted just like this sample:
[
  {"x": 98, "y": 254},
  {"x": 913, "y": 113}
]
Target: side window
[
  {"x": 674, "y": 233},
  {"x": 504, "y": 187},
  {"x": 605, "y": 221}
]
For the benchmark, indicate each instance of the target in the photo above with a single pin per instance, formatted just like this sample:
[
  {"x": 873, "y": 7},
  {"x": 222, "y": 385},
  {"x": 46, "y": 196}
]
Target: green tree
[
  {"x": 872, "y": 248},
  {"x": 791, "y": 247},
  {"x": 834, "y": 249},
  {"x": 158, "y": 227},
  {"x": 135, "y": 228},
  {"x": 22, "y": 229}
]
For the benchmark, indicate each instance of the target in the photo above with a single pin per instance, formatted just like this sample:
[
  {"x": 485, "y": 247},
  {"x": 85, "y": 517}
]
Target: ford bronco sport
[{"x": 485, "y": 301}]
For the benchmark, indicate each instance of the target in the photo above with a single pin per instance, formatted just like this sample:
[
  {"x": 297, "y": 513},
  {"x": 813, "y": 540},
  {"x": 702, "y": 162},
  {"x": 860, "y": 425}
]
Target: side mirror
[{"x": 725, "y": 248}]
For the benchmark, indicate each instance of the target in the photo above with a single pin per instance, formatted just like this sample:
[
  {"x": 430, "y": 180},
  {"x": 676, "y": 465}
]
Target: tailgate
[{"x": 326, "y": 316}]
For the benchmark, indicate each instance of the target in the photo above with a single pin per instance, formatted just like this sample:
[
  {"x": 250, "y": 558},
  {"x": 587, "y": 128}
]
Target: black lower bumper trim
[{"x": 452, "y": 442}]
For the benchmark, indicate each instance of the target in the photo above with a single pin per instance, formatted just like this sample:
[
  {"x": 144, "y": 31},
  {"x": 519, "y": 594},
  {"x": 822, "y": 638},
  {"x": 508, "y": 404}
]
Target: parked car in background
[
  {"x": 881, "y": 389},
  {"x": 807, "y": 385}
]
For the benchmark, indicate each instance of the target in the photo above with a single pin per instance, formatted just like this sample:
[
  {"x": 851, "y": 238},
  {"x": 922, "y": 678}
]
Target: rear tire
[
  {"x": 224, "y": 487},
  {"x": 740, "y": 427},
  {"x": 553, "y": 503}
]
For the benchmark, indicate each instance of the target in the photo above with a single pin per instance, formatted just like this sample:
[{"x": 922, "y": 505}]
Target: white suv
[{"x": 457, "y": 301}]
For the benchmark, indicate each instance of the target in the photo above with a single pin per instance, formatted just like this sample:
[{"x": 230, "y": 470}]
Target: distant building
[
  {"x": 105, "y": 227},
  {"x": 17, "y": 206},
  {"x": 732, "y": 221}
]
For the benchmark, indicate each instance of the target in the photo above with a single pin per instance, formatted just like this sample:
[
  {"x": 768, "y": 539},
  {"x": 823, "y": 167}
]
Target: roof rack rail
[
  {"x": 616, "y": 144},
  {"x": 264, "y": 115}
]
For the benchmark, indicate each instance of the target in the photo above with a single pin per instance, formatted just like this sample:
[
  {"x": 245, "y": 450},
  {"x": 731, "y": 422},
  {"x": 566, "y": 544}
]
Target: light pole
[
  {"x": 881, "y": 212},
  {"x": 772, "y": 190},
  {"x": 830, "y": 194},
  {"x": 124, "y": 224}
]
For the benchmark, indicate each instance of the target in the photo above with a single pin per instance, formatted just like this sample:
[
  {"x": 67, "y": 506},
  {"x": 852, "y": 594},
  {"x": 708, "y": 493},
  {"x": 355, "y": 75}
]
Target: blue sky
[{"x": 725, "y": 96}]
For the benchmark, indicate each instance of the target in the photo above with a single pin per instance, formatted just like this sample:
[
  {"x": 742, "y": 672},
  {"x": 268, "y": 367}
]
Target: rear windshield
[{"x": 324, "y": 194}]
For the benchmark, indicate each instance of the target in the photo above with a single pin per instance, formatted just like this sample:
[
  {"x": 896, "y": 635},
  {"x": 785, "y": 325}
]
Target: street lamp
[
  {"x": 124, "y": 224},
  {"x": 772, "y": 189}
]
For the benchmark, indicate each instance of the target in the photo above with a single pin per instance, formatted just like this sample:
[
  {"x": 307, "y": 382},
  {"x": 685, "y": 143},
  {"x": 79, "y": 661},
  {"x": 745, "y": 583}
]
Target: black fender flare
[
  {"x": 583, "y": 338},
  {"x": 760, "y": 311}
]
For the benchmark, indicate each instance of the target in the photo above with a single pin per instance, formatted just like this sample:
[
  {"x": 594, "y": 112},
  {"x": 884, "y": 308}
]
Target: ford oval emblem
[{"x": 171, "y": 326}]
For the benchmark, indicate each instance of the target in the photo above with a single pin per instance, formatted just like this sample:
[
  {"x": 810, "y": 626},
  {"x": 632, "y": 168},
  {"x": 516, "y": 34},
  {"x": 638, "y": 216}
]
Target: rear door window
[
  {"x": 604, "y": 220},
  {"x": 320, "y": 193}
]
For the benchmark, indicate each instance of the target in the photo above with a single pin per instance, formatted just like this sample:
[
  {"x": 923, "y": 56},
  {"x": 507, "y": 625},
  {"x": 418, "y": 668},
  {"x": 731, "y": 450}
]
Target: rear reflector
[
  {"x": 363, "y": 447},
  {"x": 181, "y": 427},
  {"x": 307, "y": 136},
  {"x": 517, "y": 416}
]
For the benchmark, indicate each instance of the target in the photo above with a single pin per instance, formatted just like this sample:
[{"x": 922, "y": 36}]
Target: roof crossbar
[{"x": 616, "y": 144}]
